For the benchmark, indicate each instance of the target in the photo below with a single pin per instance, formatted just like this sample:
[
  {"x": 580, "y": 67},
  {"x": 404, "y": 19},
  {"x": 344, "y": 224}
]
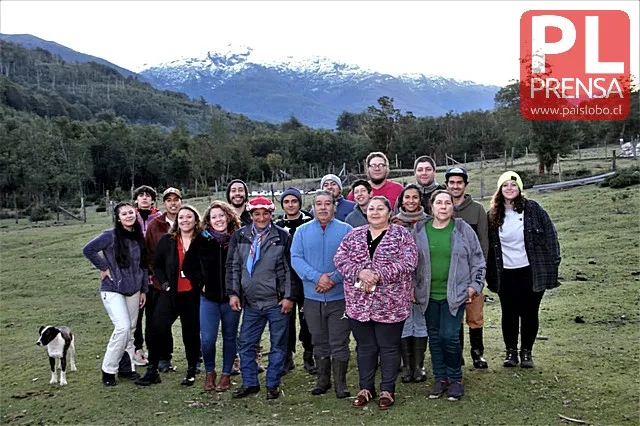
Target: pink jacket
[{"x": 395, "y": 260}]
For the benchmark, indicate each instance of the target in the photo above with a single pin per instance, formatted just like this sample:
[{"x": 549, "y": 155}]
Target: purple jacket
[
  {"x": 395, "y": 260},
  {"x": 127, "y": 281}
]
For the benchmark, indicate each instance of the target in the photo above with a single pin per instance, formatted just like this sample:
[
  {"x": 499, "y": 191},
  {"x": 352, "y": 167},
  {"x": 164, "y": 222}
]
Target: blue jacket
[{"x": 312, "y": 254}]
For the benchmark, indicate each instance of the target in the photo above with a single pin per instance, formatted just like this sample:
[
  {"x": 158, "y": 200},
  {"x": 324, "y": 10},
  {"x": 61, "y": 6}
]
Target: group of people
[{"x": 395, "y": 267}]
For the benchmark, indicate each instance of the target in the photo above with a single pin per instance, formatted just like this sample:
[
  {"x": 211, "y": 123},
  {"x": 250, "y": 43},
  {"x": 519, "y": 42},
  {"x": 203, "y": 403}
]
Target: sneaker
[
  {"x": 108, "y": 379},
  {"x": 438, "y": 389},
  {"x": 488, "y": 299},
  {"x": 272, "y": 393},
  {"x": 511, "y": 358},
  {"x": 526, "y": 361},
  {"x": 140, "y": 358},
  {"x": 455, "y": 391}
]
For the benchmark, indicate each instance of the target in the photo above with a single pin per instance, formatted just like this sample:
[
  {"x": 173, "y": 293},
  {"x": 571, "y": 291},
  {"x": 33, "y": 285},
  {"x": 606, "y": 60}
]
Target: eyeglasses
[{"x": 378, "y": 166}]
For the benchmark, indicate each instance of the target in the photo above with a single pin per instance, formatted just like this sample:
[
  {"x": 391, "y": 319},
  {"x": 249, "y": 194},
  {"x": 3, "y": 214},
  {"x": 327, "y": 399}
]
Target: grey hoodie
[{"x": 467, "y": 267}]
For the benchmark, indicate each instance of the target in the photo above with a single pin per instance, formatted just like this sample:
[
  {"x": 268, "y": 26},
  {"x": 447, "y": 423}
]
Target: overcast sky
[{"x": 476, "y": 41}]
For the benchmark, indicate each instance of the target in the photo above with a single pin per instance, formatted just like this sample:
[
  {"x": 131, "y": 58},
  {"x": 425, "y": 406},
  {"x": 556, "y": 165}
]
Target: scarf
[
  {"x": 221, "y": 237},
  {"x": 430, "y": 188},
  {"x": 409, "y": 219},
  {"x": 254, "y": 251}
]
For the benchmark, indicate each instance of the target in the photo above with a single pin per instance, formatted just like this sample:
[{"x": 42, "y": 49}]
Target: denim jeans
[
  {"x": 415, "y": 325},
  {"x": 211, "y": 313},
  {"x": 253, "y": 323},
  {"x": 444, "y": 340}
]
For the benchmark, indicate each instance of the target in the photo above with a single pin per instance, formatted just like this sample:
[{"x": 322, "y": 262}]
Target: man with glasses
[{"x": 377, "y": 172}]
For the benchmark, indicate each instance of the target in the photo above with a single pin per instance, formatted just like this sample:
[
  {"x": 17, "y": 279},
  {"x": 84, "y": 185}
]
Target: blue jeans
[
  {"x": 211, "y": 313},
  {"x": 253, "y": 323},
  {"x": 416, "y": 324},
  {"x": 444, "y": 340}
]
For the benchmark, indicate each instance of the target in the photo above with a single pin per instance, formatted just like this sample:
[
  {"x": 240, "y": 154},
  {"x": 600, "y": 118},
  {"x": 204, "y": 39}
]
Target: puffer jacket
[{"x": 205, "y": 266}]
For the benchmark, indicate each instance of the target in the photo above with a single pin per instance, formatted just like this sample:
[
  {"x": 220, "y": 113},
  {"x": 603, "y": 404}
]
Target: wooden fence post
[
  {"x": 613, "y": 161},
  {"x": 559, "y": 170},
  {"x": 481, "y": 175},
  {"x": 505, "y": 160}
]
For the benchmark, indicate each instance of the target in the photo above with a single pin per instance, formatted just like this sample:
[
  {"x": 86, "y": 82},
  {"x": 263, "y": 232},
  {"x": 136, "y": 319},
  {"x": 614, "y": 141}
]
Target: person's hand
[
  {"x": 234, "y": 302},
  {"x": 412, "y": 296},
  {"x": 143, "y": 300},
  {"x": 287, "y": 305},
  {"x": 369, "y": 277},
  {"x": 105, "y": 274},
  {"x": 472, "y": 294},
  {"x": 325, "y": 283},
  {"x": 203, "y": 287}
]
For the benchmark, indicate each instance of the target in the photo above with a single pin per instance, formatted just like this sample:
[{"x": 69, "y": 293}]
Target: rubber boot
[
  {"x": 309, "y": 364},
  {"x": 406, "y": 346},
  {"x": 461, "y": 334},
  {"x": 340, "y": 378},
  {"x": 323, "y": 382},
  {"x": 288, "y": 364},
  {"x": 419, "y": 348},
  {"x": 477, "y": 348}
]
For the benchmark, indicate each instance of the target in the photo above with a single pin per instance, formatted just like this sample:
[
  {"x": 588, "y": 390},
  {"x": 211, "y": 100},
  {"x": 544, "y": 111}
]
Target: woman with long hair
[
  {"x": 414, "y": 334},
  {"x": 523, "y": 261},
  {"x": 377, "y": 261},
  {"x": 178, "y": 298},
  {"x": 205, "y": 266},
  {"x": 123, "y": 286}
]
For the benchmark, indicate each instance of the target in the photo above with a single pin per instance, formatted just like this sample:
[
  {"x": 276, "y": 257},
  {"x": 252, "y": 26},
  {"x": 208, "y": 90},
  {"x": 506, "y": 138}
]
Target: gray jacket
[
  {"x": 271, "y": 278},
  {"x": 467, "y": 267},
  {"x": 356, "y": 218}
]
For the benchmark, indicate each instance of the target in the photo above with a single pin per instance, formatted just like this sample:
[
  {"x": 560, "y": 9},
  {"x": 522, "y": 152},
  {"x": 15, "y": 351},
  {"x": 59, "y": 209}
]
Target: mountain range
[{"x": 316, "y": 90}]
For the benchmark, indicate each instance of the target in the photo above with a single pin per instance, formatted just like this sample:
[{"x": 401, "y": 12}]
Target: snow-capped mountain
[{"x": 314, "y": 89}]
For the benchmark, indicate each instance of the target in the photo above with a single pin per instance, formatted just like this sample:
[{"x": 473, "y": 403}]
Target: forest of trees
[{"x": 68, "y": 129}]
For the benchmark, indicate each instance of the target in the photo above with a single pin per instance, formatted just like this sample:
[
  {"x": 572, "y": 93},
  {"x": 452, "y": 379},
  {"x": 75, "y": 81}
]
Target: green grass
[{"x": 586, "y": 371}]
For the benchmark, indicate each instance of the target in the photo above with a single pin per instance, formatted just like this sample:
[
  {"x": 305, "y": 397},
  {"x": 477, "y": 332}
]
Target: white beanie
[{"x": 332, "y": 177}]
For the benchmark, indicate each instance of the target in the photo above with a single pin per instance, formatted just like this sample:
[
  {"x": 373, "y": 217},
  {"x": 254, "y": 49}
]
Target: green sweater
[{"x": 440, "y": 253}]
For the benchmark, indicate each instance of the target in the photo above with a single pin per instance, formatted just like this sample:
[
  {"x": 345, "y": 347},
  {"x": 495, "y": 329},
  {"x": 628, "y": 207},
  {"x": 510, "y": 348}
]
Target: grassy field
[{"x": 587, "y": 371}]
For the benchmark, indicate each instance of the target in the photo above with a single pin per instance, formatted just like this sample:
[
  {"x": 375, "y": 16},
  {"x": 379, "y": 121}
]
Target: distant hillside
[
  {"x": 32, "y": 42},
  {"x": 315, "y": 89},
  {"x": 41, "y": 82}
]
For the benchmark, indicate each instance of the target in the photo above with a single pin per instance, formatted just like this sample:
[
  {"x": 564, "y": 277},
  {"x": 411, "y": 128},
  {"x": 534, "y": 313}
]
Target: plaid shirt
[{"x": 541, "y": 244}]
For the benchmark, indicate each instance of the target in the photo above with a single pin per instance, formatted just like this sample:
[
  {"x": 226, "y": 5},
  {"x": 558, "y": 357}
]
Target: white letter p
[{"x": 539, "y": 46}]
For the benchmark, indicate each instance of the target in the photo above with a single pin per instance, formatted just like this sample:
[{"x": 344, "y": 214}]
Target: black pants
[
  {"x": 185, "y": 305},
  {"x": 304, "y": 336},
  {"x": 520, "y": 308},
  {"x": 373, "y": 339},
  {"x": 138, "y": 339},
  {"x": 166, "y": 350}
]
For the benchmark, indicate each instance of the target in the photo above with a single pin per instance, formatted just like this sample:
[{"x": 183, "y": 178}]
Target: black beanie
[
  {"x": 246, "y": 190},
  {"x": 292, "y": 190}
]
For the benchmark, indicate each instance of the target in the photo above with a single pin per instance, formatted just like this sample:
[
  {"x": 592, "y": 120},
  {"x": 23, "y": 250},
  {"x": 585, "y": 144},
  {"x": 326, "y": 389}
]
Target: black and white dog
[{"x": 58, "y": 341}]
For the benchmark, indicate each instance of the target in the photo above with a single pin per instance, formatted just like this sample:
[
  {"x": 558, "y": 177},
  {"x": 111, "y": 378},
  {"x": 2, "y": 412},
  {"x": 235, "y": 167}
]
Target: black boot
[
  {"x": 477, "y": 348},
  {"x": 526, "y": 361},
  {"x": 406, "y": 346},
  {"x": 108, "y": 379},
  {"x": 419, "y": 348},
  {"x": 151, "y": 376},
  {"x": 323, "y": 382},
  {"x": 340, "y": 378},
  {"x": 288, "y": 364},
  {"x": 511, "y": 358},
  {"x": 309, "y": 365},
  {"x": 190, "y": 377},
  {"x": 461, "y": 334}
]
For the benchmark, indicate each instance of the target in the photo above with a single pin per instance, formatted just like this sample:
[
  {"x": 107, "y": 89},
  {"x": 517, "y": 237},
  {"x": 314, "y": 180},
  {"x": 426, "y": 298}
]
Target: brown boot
[
  {"x": 225, "y": 383},
  {"x": 210, "y": 381}
]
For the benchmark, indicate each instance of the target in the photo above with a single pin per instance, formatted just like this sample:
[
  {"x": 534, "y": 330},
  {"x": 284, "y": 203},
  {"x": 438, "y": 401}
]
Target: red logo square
[{"x": 575, "y": 65}]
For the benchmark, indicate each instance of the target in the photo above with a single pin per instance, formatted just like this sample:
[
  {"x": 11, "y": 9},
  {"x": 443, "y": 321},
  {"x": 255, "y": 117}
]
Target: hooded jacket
[{"x": 467, "y": 267}]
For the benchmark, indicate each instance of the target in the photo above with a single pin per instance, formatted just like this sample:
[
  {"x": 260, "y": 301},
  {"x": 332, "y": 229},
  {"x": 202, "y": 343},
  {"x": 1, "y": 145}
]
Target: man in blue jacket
[{"x": 314, "y": 245}]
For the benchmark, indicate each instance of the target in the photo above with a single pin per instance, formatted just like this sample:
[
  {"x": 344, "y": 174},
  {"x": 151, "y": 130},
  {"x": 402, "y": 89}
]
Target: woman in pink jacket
[{"x": 377, "y": 262}]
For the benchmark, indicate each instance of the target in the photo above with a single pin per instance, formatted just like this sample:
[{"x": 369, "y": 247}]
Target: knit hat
[
  {"x": 456, "y": 171},
  {"x": 292, "y": 190},
  {"x": 169, "y": 191},
  {"x": 510, "y": 176},
  {"x": 332, "y": 177},
  {"x": 261, "y": 203},
  {"x": 246, "y": 190},
  {"x": 145, "y": 189}
]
